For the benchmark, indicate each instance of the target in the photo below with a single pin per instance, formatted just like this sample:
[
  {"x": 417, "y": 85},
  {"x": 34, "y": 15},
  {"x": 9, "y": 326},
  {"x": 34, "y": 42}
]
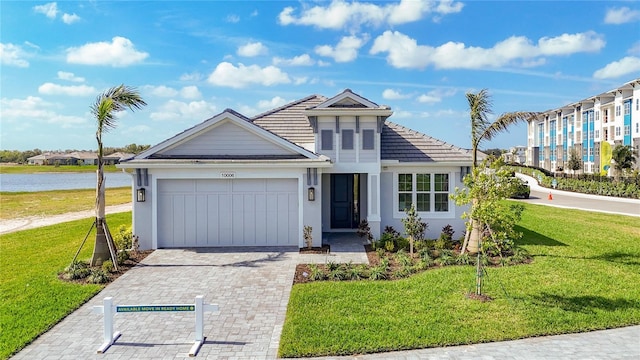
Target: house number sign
[{"x": 227, "y": 175}]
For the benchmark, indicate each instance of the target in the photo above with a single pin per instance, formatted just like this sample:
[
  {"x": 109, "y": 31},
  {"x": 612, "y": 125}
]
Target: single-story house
[{"x": 327, "y": 163}]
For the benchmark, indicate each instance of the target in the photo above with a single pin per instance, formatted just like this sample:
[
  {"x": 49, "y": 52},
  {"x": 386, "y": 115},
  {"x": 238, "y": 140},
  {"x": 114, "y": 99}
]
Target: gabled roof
[
  {"x": 289, "y": 121},
  {"x": 405, "y": 145},
  {"x": 159, "y": 151},
  {"x": 348, "y": 99}
]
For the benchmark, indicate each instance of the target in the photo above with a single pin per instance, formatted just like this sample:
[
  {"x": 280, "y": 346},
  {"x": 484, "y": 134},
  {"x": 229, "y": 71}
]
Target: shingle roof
[
  {"x": 407, "y": 145},
  {"x": 289, "y": 121}
]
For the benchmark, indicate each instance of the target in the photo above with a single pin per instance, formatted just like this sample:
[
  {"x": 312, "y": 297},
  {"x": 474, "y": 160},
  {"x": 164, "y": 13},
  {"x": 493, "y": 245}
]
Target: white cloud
[
  {"x": 190, "y": 92},
  {"x": 233, "y": 18},
  {"x": 271, "y": 104},
  {"x": 300, "y": 80},
  {"x": 13, "y": 55},
  {"x": 192, "y": 111},
  {"x": 634, "y": 49},
  {"x": 339, "y": 14},
  {"x": 252, "y": 49},
  {"x": 621, "y": 15},
  {"x": 162, "y": 91},
  {"x": 390, "y": 94},
  {"x": 404, "y": 52},
  {"x": 35, "y": 109},
  {"x": 63, "y": 75},
  {"x": 50, "y": 10},
  {"x": 119, "y": 52},
  {"x": 195, "y": 76},
  {"x": 226, "y": 74},
  {"x": 72, "y": 90},
  {"x": 300, "y": 60},
  {"x": 345, "y": 51},
  {"x": 616, "y": 69},
  {"x": 70, "y": 18},
  {"x": 435, "y": 96}
]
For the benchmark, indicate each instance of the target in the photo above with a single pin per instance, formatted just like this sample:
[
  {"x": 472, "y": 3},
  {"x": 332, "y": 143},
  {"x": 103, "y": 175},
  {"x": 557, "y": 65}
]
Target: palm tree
[
  {"x": 482, "y": 128},
  {"x": 115, "y": 99},
  {"x": 623, "y": 157}
]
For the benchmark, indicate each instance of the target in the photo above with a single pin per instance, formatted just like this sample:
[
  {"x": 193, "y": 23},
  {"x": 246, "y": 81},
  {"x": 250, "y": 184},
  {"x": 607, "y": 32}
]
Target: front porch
[{"x": 345, "y": 247}]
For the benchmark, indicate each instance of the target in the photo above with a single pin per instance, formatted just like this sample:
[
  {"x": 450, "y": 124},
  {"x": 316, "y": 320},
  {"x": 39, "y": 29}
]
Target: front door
[{"x": 345, "y": 207}]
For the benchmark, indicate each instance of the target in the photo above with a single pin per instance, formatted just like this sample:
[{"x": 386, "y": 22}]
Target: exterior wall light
[
  {"x": 311, "y": 194},
  {"x": 140, "y": 195}
]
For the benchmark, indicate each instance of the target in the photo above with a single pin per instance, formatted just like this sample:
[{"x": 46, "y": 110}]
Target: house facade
[
  {"x": 327, "y": 163},
  {"x": 591, "y": 127}
]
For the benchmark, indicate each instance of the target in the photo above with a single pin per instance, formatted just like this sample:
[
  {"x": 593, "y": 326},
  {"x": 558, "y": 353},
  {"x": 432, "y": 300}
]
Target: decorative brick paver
[{"x": 251, "y": 287}]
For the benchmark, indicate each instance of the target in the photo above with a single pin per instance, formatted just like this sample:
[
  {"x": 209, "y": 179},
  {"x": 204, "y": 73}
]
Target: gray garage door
[{"x": 234, "y": 212}]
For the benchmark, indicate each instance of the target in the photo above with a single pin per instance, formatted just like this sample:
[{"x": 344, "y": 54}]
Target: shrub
[
  {"x": 123, "y": 238},
  {"x": 355, "y": 272},
  {"x": 446, "y": 259},
  {"x": 389, "y": 245},
  {"x": 364, "y": 230},
  {"x": 316, "y": 273},
  {"x": 123, "y": 256},
  {"x": 337, "y": 274},
  {"x": 98, "y": 276},
  {"x": 465, "y": 259},
  {"x": 377, "y": 273},
  {"x": 107, "y": 266},
  {"x": 76, "y": 270},
  {"x": 331, "y": 266}
]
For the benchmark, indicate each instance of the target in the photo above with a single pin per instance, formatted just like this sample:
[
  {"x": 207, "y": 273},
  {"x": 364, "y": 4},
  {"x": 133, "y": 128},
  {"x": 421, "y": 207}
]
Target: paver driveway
[{"x": 251, "y": 286}]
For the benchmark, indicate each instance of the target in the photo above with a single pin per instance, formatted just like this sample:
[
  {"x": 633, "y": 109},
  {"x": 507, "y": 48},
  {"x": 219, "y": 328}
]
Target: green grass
[
  {"x": 584, "y": 276},
  {"x": 32, "y": 299},
  {"x": 42, "y": 203},
  {"x": 32, "y": 169}
]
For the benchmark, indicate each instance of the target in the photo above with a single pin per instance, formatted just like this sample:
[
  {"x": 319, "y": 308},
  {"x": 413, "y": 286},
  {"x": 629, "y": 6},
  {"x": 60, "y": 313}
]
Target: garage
[{"x": 227, "y": 212}]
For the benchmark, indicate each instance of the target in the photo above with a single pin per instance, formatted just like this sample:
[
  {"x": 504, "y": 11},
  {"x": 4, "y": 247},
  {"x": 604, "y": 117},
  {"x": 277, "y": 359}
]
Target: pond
[{"x": 60, "y": 181}]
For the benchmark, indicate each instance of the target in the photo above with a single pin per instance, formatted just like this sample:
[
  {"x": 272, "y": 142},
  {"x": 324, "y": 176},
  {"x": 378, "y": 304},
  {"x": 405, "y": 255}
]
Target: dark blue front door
[{"x": 344, "y": 202}]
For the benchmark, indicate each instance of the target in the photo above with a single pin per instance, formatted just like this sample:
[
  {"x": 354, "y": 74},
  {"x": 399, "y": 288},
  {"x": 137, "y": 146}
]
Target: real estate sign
[{"x": 605, "y": 158}]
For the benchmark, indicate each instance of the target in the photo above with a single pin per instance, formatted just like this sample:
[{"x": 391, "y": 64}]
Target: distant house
[
  {"x": 327, "y": 163},
  {"x": 77, "y": 158}
]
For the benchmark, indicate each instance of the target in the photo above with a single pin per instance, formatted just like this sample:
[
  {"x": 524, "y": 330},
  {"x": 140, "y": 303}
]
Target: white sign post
[{"x": 109, "y": 310}]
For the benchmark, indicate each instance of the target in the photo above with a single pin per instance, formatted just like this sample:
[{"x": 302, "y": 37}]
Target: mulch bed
[{"x": 316, "y": 250}]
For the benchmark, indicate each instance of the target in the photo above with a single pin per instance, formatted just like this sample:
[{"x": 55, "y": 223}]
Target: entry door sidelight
[{"x": 345, "y": 207}]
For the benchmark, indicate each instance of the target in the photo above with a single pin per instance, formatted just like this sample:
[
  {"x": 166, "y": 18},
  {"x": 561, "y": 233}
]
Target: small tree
[
  {"x": 574, "y": 162},
  {"x": 413, "y": 226},
  {"x": 623, "y": 158},
  {"x": 107, "y": 104},
  {"x": 492, "y": 218}
]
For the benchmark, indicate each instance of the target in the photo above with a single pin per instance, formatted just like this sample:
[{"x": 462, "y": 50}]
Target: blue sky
[{"x": 191, "y": 60}]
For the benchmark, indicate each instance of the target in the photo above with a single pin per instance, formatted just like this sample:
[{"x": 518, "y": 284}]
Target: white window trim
[{"x": 451, "y": 214}]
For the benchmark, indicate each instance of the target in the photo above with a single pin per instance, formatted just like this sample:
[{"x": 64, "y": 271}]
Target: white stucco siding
[
  {"x": 227, "y": 212},
  {"x": 227, "y": 139}
]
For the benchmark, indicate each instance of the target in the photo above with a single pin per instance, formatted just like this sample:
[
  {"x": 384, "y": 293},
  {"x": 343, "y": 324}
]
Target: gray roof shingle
[
  {"x": 289, "y": 121},
  {"x": 407, "y": 145}
]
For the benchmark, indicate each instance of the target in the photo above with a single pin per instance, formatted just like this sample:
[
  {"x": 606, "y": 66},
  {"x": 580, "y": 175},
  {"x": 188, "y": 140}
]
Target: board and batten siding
[
  {"x": 227, "y": 139},
  {"x": 234, "y": 212}
]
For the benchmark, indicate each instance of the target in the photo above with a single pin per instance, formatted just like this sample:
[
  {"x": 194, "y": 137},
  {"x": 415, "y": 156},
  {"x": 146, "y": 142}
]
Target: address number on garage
[{"x": 227, "y": 175}]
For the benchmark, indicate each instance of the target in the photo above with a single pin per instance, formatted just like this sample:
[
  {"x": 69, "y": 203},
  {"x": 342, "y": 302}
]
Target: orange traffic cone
[{"x": 550, "y": 196}]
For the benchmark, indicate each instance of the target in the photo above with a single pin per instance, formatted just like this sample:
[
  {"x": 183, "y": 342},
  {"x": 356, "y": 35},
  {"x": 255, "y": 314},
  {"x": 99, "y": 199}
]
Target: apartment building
[{"x": 592, "y": 127}]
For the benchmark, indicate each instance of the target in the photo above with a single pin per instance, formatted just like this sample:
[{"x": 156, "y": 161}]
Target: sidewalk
[{"x": 32, "y": 222}]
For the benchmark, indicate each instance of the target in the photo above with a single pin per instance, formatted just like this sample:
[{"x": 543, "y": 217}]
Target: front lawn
[
  {"x": 584, "y": 276},
  {"x": 32, "y": 299},
  {"x": 15, "y": 205}
]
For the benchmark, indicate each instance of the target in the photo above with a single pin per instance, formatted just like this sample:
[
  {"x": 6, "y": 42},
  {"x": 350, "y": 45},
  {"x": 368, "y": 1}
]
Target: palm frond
[
  {"x": 118, "y": 98},
  {"x": 505, "y": 120}
]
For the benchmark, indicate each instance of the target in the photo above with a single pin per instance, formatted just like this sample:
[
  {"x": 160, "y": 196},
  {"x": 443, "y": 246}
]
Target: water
[{"x": 60, "y": 181}]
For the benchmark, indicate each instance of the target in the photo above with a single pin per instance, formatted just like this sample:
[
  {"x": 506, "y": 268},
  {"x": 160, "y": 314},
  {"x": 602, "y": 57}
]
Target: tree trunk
[
  {"x": 473, "y": 245},
  {"x": 101, "y": 251}
]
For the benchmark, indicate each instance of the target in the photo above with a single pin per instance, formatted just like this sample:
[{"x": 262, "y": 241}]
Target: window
[
  {"x": 637, "y": 128},
  {"x": 627, "y": 130},
  {"x": 326, "y": 137},
  {"x": 627, "y": 107},
  {"x": 597, "y": 115},
  {"x": 597, "y": 134},
  {"x": 429, "y": 192},
  {"x": 617, "y": 130},
  {"x": 368, "y": 139},
  {"x": 617, "y": 110},
  {"x": 590, "y": 151},
  {"x": 405, "y": 191},
  {"x": 441, "y": 192},
  {"x": 347, "y": 139},
  {"x": 637, "y": 104}
]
